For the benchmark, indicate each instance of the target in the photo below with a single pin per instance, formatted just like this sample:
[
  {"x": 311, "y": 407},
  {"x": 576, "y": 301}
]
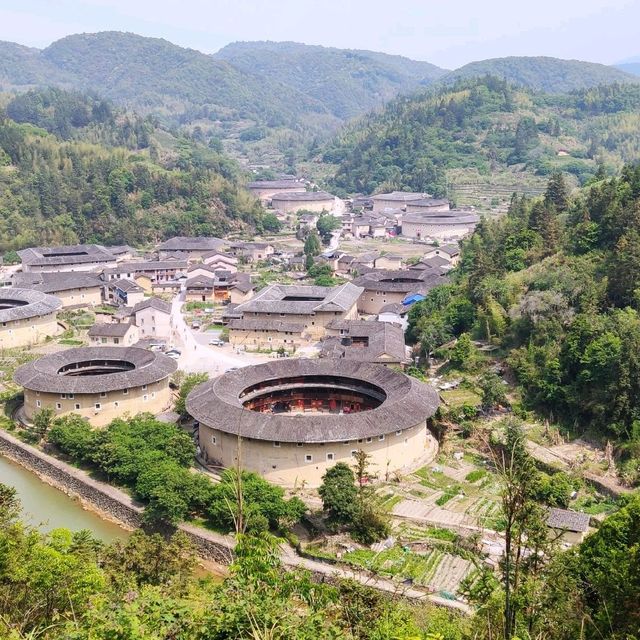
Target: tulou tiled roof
[
  {"x": 69, "y": 254},
  {"x": 52, "y": 282},
  {"x": 302, "y": 300},
  {"x": 109, "y": 330},
  {"x": 183, "y": 243},
  {"x": 442, "y": 217},
  {"x": 568, "y": 520},
  {"x": 276, "y": 184},
  {"x": 266, "y": 324},
  {"x": 385, "y": 342},
  {"x": 43, "y": 374},
  {"x": 154, "y": 303},
  {"x": 308, "y": 196},
  {"x": 401, "y": 281},
  {"x": 407, "y": 402},
  {"x": 21, "y": 304}
]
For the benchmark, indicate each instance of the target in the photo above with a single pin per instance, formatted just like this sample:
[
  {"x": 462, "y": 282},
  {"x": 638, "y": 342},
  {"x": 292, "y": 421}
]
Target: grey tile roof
[
  {"x": 153, "y": 303},
  {"x": 400, "y": 281},
  {"x": 128, "y": 286},
  {"x": 568, "y": 520},
  {"x": 109, "y": 330},
  {"x": 183, "y": 243},
  {"x": 429, "y": 202},
  {"x": 42, "y": 374},
  {"x": 69, "y": 254},
  {"x": 52, "y": 282},
  {"x": 450, "y": 249},
  {"x": 309, "y": 196},
  {"x": 21, "y": 304},
  {"x": 400, "y": 196},
  {"x": 275, "y": 184},
  {"x": 150, "y": 266},
  {"x": 384, "y": 339},
  {"x": 407, "y": 402},
  {"x": 273, "y": 299}
]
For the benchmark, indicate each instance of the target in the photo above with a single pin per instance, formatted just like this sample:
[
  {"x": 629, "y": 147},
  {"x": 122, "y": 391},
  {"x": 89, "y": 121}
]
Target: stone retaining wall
[{"x": 107, "y": 500}]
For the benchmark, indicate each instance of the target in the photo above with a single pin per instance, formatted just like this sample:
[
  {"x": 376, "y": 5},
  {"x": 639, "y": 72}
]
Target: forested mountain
[
  {"x": 347, "y": 81},
  {"x": 490, "y": 127},
  {"x": 630, "y": 67},
  {"x": 75, "y": 169},
  {"x": 553, "y": 75}
]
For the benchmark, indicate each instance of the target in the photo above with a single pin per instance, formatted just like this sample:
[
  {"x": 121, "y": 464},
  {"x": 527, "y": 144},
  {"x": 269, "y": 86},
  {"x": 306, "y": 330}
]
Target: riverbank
[{"x": 213, "y": 548}]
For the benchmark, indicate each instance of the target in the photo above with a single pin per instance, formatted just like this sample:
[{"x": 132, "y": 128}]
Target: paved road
[{"x": 197, "y": 355}]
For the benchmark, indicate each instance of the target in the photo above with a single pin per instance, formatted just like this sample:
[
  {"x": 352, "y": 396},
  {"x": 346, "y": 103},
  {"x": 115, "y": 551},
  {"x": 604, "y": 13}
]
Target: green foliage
[
  {"x": 90, "y": 188},
  {"x": 339, "y": 493},
  {"x": 463, "y": 352},
  {"x": 264, "y": 506},
  {"x": 190, "y": 381},
  {"x": 326, "y": 225}
]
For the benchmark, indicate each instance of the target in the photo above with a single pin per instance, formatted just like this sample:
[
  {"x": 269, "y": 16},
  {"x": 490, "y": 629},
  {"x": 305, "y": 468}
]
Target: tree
[
  {"x": 312, "y": 246},
  {"x": 190, "y": 381},
  {"x": 271, "y": 223},
  {"x": 42, "y": 420},
  {"x": 462, "y": 354},
  {"x": 522, "y": 517},
  {"x": 493, "y": 391},
  {"x": 339, "y": 494},
  {"x": 557, "y": 193},
  {"x": 326, "y": 225}
]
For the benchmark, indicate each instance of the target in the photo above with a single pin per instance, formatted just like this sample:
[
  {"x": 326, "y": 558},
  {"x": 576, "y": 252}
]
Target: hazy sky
[{"x": 446, "y": 32}]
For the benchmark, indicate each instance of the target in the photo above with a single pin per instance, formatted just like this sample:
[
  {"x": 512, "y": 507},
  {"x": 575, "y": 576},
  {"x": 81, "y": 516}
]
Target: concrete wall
[
  {"x": 265, "y": 339},
  {"x": 23, "y": 333},
  {"x": 82, "y": 296},
  {"x": 287, "y": 464},
  {"x": 155, "y": 399},
  {"x": 371, "y": 301},
  {"x": 130, "y": 338},
  {"x": 424, "y": 230},
  {"x": 293, "y": 206},
  {"x": 152, "y": 323}
]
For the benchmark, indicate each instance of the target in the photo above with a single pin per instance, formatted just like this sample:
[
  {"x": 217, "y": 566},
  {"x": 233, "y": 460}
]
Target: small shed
[{"x": 570, "y": 525}]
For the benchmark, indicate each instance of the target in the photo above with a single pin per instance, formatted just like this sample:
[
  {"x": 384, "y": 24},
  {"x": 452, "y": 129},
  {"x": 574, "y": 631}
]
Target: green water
[{"x": 47, "y": 508}]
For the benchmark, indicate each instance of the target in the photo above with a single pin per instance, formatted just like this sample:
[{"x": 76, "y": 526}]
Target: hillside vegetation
[
  {"x": 490, "y": 127},
  {"x": 347, "y": 82},
  {"x": 72, "y": 168},
  {"x": 553, "y": 75}
]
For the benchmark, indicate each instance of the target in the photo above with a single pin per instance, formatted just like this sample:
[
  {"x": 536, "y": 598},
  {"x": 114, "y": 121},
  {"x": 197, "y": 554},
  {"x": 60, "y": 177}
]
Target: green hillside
[
  {"x": 543, "y": 73},
  {"x": 75, "y": 169},
  {"x": 486, "y": 128},
  {"x": 348, "y": 82}
]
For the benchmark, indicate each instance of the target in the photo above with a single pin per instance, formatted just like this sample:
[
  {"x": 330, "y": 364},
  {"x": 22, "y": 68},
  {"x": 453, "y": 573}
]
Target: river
[{"x": 48, "y": 508}]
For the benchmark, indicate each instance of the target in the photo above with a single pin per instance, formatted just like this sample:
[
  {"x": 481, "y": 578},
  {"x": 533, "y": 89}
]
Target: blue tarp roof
[{"x": 413, "y": 297}]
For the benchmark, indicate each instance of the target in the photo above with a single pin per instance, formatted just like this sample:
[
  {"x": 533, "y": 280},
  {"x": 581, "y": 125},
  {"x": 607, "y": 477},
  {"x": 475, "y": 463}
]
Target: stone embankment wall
[{"x": 108, "y": 501}]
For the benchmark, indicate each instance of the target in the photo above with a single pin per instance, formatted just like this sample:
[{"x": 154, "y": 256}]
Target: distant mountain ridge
[
  {"x": 542, "y": 73},
  {"x": 347, "y": 81}
]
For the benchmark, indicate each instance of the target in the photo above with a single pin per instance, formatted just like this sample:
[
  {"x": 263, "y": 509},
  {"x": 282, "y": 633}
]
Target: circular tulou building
[
  {"x": 99, "y": 383},
  {"x": 26, "y": 317},
  {"x": 294, "y": 419}
]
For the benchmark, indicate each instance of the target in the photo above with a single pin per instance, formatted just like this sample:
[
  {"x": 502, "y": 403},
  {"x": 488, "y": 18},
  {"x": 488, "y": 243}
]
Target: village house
[
  {"x": 153, "y": 318},
  {"x": 124, "y": 292},
  {"x": 448, "y": 252},
  {"x": 147, "y": 274},
  {"x": 374, "y": 342},
  {"x": 194, "y": 248},
  {"x": 395, "y": 313},
  {"x": 113, "y": 334},
  {"x": 251, "y": 251},
  {"x": 570, "y": 526},
  {"x": 388, "y": 261},
  {"x": 73, "y": 289},
  {"x": 219, "y": 260},
  {"x": 287, "y": 315},
  {"x": 381, "y": 287},
  {"x": 79, "y": 257}
]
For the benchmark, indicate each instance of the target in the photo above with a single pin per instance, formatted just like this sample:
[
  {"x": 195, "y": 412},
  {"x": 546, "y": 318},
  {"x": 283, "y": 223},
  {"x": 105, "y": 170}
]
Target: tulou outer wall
[
  {"x": 155, "y": 398},
  {"x": 28, "y": 331},
  {"x": 286, "y": 463}
]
